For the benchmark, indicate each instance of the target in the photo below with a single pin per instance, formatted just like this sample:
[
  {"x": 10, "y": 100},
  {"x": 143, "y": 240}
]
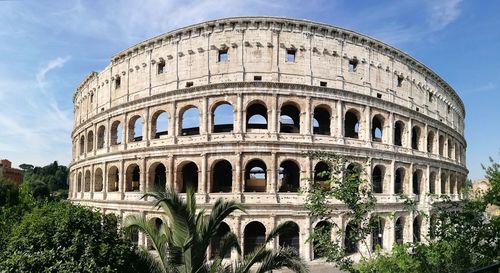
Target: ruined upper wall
[{"x": 257, "y": 47}]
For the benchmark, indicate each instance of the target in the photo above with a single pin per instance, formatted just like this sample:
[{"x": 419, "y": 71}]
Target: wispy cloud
[{"x": 443, "y": 13}]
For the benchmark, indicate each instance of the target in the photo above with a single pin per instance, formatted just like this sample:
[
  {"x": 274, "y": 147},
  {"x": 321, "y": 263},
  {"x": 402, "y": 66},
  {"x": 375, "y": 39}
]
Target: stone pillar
[
  {"x": 393, "y": 177},
  {"x": 408, "y": 140},
  {"x": 170, "y": 171},
  {"x": 306, "y": 245},
  {"x": 438, "y": 182},
  {"x": 308, "y": 118},
  {"x": 368, "y": 122},
  {"x": 273, "y": 117},
  {"x": 239, "y": 176},
  {"x": 271, "y": 173},
  {"x": 202, "y": 187},
  {"x": 143, "y": 175},
  {"x": 146, "y": 131},
  {"x": 121, "y": 184},
  {"x": 425, "y": 137},
  {"x": 204, "y": 117},
  {"x": 340, "y": 119},
  {"x": 390, "y": 134},
  {"x": 239, "y": 114},
  {"x": 105, "y": 181}
]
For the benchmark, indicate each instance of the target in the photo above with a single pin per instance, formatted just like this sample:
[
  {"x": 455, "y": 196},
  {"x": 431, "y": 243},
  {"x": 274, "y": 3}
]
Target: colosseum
[{"x": 229, "y": 107}]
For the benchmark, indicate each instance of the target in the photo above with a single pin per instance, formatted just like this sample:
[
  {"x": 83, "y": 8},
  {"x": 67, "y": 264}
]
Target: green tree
[
  {"x": 61, "y": 237},
  {"x": 47, "y": 182},
  {"x": 182, "y": 244},
  {"x": 9, "y": 193}
]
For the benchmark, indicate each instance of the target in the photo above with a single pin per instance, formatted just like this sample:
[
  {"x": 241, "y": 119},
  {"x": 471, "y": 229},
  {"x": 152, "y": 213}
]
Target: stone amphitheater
[{"x": 229, "y": 107}]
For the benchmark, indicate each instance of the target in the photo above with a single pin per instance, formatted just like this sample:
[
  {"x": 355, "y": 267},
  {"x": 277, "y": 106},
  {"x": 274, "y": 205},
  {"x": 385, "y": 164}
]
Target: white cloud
[{"x": 443, "y": 13}]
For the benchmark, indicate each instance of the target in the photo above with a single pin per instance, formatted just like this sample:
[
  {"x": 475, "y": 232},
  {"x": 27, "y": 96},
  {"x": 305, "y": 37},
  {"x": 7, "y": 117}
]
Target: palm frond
[
  {"x": 282, "y": 228},
  {"x": 155, "y": 264},
  {"x": 228, "y": 242},
  {"x": 283, "y": 257}
]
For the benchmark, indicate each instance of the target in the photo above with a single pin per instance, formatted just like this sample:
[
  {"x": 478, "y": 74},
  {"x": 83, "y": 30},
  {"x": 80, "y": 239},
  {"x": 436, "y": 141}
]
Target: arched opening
[
  {"x": 223, "y": 118},
  {"x": 398, "y": 181},
  {"x": 351, "y": 124},
  {"x": 432, "y": 227},
  {"x": 321, "y": 227},
  {"x": 98, "y": 180},
  {"x": 290, "y": 238},
  {"x": 417, "y": 223},
  {"x": 432, "y": 183},
  {"x": 159, "y": 178},
  {"x": 399, "y": 127},
  {"x": 82, "y": 145},
  {"x": 452, "y": 184},
  {"x": 190, "y": 121},
  {"x": 159, "y": 124},
  {"x": 113, "y": 179},
  {"x": 430, "y": 142},
  {"x": 101, "y": 137},
  {"x": 399, "y": 231},
  {"x": 134, "y": 237},
  {"x": 417, "y": 182},
  {"x": 289, "y": 176},
  {"x": 216, "y": 240},
  {"x": 133, "y": 176},
  {"x": 255, "y": 176},
  {"x": 378, "y": 233},
  {"x": 290, "y": 119},
  {"x": 87, "y": 181},
  {"x": 378, "y": 179},
  {"x": 322, "y": 173},
  {"x": 350, "y": 243},
  {"x": 415, "y": 137},
  {"x": 321, "y": 121},
  {"x": 158, "y": 223},
  {"x": 256, "y": 116},
  {"x": 116, "y": 133},
  {"x": 377, "y": 128},
  {"x": 222, "y": 178},
  {"x": 90, "y": 141},
  {"x": 79, "y": 183},
  {"x": 135, "y": 129},
  {"x": 353, "y": 171},
  {"x": 441, "y": 145},
  {"x": 443, "y": 183},
  {"x": 450, "y": 149},
  {"x": 189, "y": 177},
  {"x": 254, "y": 236}
]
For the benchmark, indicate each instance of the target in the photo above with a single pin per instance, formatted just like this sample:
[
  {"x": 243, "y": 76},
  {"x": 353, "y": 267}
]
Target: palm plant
[{"x": 181, "y": 243}]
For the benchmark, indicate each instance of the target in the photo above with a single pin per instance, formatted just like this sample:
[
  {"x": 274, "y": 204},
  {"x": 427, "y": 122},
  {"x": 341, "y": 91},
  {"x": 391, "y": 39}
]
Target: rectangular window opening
[
  {"x": 353, "y": 64},
  {"x": 449, "y": 109},
  {"x": 323, "y": 84},
  {"x": 257, "y": 78},
  {"x": 189, "y": 84},
  {"x": 418, "y": 110},
  {"x": 400, "y": 81},
  {"x": 379, "y": 95},
  {"x": 290, "y": 55},
  {"x": 430, "y": 97},
  {"x": 118, "y": 82},
  {"x": 223, "y": 56},
  {"x": 161, "y": 67}
]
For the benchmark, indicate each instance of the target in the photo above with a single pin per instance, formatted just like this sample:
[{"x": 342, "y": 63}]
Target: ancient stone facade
[
  {"x": 290, "y": 86},
  {"x": 9, "y": 173}
]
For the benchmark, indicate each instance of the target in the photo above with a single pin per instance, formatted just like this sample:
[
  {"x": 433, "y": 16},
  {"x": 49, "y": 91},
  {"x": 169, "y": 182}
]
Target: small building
[{"x": 9, "y": 173}]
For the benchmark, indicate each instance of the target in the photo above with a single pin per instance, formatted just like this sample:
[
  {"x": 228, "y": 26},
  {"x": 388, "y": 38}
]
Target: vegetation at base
[
  {"x": 55, "y": 236},
  {"x": 48, "y": 182},
  {"x": 181, "y": 242},
  {"x": 463, "y": 236}
]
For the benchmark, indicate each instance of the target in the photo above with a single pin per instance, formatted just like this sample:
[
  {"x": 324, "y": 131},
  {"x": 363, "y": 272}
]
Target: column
[
  {"x": 368, "y": 122},
  {"x": 202, "y": 188},
  {"x": 271, "y": 173},
  {"x": 308, "y": 117},
  {"x": 239, "y": 114},
  {"x": 143, "y": 175},
  {"x": 391, "y": 129},
  {"x": 340, "y": 119},
  {"x": 393, "y": 177},
  {"x": 204, "y": 117},
  {"x": 170, "y": 173},
  {"x": 239, "y": 176},
  {"x": 410, "y": 125}
]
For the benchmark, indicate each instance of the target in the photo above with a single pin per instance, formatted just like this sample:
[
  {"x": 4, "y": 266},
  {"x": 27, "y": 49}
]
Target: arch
[
  {"x": 399, "y": 180},
  {"x": 79, "y": 183},
  {"x": 399, "y": 128},
  {"x": 443, "y": 183},
  {"x": 432, "y": 182},
  {"x": 353, "y": 171},
  {"x": 378, "y": 233},
  {"x": 101, "y": 137},
  {"x": 113, "y": 179},
  {"x": 323, "y": 226},
  {"x": 189, "y": 177},
  {"x": 417, "y": 224},
  {"x": 291, "y": 238},
  {"x": 135, "y": 129},
  {"x": 441, "y": 145},
  {"x": 351, "y": 124},
  {"x": 222, "y": 177},
  {"x": 350, "y": 233},
  {"x": 377, "y": 128},
  {"x": 430, "y": 142},
  {"x": 322, "y": 173},
  {"x": 399, "y": 230},
  {"x": 116, "y": 133},
  {"x": 87, "y": 181},
  {"x": 321, "y": 121},
  {"x": 159, "y": 124},
  {"x": 133, "y": 178},
  {"x": 82, "y": 145},
  {"x": 222, "y": 118},
  {"x": 432, "y": 226},
  {"x": 254, "y": 236},
  {"x": 158, "y": 177},
  {"x": 415, "y": 137},
  {"x": 190, "y": 121},
  {"x": 452, "y": 184},
  {"x": 256, "y": 116},
  {"x": 289, "y": 176},
  {"x": 90, "y": 141},
  {"x": 290, "y": 119},
  {"x": 255, "y": 176},
  {"x": 450, "y": 149},
  {"x": 98, "y": 180},
  {"x": 134, "y": 237},
  {"x": 417, "y": 182},
  {"x": 216, "y": 240},
  {"x": 378, "y": 179}
]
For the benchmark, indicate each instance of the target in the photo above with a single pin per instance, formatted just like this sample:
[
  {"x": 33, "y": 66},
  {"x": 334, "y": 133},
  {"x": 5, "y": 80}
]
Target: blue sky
[{"x": 47, "y": 47}]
